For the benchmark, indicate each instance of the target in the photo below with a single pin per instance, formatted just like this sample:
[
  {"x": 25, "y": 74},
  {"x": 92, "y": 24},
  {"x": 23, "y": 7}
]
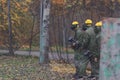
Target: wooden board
[{"x": 110, "y": 50}]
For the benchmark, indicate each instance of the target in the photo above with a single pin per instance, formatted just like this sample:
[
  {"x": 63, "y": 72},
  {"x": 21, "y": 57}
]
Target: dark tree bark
[{"x": 11, "y": 52}]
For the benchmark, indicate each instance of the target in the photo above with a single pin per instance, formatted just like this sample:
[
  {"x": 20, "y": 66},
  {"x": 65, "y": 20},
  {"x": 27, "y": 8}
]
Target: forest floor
[{"x": 28, "y": 68}]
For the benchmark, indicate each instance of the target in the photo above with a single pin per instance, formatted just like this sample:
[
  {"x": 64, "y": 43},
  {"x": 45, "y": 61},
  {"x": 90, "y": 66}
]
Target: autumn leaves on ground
[{"x": 28, "y": 68}]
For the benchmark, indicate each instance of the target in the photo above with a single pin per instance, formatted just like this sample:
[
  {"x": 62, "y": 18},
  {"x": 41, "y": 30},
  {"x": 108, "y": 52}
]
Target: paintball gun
[
  {"x": 88, "y": 54},
  {"x": 75, "y": 42}
]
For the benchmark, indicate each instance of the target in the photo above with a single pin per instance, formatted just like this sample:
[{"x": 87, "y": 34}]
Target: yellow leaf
[
  {"x": 25, "y": 9},
  {"x": 18, "y": 5}
]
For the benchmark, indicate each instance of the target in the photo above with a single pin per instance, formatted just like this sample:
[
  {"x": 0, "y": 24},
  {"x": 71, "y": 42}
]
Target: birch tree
[{"x": 44, "y": 37}]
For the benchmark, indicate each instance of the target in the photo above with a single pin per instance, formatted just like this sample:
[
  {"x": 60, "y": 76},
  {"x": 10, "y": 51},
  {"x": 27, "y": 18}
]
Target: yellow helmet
[
  {"x": 98, "y": 24},
  {"x": 75, "y": 23},
  {"x": 88, "y": 21}
]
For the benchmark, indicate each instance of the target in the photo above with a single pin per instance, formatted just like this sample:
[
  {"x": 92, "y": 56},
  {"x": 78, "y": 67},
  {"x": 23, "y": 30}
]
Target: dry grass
[{"x": 28, "y": 68}]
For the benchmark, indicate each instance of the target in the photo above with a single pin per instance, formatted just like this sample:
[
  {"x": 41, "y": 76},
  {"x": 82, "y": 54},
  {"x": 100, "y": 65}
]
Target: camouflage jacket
[
  {"x": 83, "y": 39},
  {"x": 92, "y": 45}
]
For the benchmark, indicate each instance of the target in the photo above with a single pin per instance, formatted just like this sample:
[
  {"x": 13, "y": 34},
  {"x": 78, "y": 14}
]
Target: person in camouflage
[
  {"x": 72, "y": 40},
  {"x": 97, "y": 30},
  {"x": 80, "y": 58},
  {"x": 92, "y": 48}
]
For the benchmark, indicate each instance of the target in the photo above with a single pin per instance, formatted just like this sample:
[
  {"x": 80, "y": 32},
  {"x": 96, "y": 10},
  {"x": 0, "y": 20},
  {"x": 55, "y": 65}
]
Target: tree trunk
[
  {"x": 31, "y": 37},
  {"x": 10, "y": 30},
  {"x": 44, "y": 37}
]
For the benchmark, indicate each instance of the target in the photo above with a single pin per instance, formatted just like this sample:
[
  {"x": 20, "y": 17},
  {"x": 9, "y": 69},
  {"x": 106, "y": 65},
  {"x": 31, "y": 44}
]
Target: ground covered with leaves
[{"x": 28, "y": 68}]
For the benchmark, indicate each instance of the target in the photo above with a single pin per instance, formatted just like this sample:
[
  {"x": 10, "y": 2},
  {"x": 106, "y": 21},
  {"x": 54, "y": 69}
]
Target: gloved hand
[{"x": 96, "y": 59}]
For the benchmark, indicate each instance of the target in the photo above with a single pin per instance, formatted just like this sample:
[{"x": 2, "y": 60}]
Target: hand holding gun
[{"x": 74, "y": 43}]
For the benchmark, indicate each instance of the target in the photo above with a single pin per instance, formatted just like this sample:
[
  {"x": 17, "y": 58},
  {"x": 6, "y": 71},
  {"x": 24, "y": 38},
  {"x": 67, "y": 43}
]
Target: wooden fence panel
[{"x": 110, "y": 50}]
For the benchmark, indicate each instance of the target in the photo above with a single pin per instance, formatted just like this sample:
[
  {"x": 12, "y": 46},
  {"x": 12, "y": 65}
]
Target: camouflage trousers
[{"x": 81, "y": 65}]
